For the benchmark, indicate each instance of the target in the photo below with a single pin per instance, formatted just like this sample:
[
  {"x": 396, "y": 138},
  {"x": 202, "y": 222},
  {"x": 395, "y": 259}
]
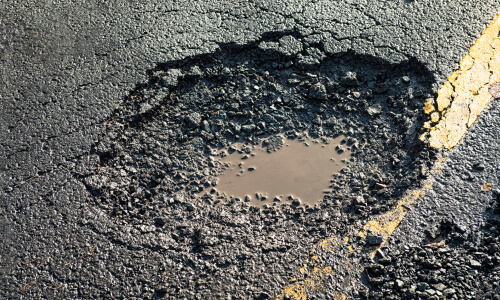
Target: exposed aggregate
[{"x": 157, "y": 156}]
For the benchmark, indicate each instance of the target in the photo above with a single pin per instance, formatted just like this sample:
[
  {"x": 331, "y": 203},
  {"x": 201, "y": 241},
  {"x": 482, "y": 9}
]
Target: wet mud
[{"x": 299, "y": 172}]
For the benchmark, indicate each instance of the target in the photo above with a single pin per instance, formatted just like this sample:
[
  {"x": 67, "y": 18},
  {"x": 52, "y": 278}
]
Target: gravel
[
  {"x": 461, "y": 265},
  {"x": 156, "y": 167}
]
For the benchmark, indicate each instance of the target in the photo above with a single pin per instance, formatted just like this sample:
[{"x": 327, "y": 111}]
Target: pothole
[
  {"x": 152, "y": 169},
  {"x": 296, "y": 170},
  {"x": 156, "y": 149}
]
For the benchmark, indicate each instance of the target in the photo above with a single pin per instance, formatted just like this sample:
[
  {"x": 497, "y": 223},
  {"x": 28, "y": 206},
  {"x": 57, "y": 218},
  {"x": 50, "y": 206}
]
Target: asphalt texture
[
  {"x": 78, "y": 89},
  {"x": 447, "y": 246}
]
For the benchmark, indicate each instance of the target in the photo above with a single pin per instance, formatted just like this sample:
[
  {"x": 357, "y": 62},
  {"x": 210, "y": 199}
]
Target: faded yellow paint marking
[
  {"x": 314, "y": 280},
  {"x": 429, "y": 106},
  {"x": 385, "y": 224},
  {"x": 339, "y": 296},
  {"x": 462, "y": 98},
  {"x": 434, "y": 117},
  {"x": 328, "y": 244},
  {"x": 311, "y": 276}
]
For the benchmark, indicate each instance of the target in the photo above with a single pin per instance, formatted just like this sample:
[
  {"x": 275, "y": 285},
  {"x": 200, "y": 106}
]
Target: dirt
[{"x": 300, "y": 171}]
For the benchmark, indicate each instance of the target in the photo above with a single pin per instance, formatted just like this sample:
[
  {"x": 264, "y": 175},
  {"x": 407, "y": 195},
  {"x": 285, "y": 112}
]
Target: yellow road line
[
  {"x": 312, "y": 276},
  {"x": 385, "y": 224},
  {"x": 460, "y": 100}
]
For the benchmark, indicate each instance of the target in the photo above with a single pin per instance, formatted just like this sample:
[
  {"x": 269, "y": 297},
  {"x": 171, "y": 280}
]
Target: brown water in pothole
[{"x": 300, "y": 169}]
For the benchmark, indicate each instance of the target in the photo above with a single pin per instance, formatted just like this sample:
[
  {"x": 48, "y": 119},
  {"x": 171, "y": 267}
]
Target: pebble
[
  {"x": 349, "y": 79},
  {"x": 449, "y": 292},
  {"x": 318, "y": 92},
  {"x": 422, "y": 286},
  {"x": 399, "y": 284},
  {"x": 372, "y": 239},
  {"x": 193, "y": 120},
  {"x": 360, "y": 200},
  {"x": 248, "y": 128},
  {"x": 475, "y": 264},
  {"x": 205, "y": 126}
]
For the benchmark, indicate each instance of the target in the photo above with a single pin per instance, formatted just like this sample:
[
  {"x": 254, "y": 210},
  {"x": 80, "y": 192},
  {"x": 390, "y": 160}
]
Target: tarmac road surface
[{"x": 103, "y": 147}]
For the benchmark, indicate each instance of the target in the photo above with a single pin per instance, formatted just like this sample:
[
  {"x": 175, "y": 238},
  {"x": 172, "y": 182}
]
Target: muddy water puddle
[{"x": 280, "y": 170}]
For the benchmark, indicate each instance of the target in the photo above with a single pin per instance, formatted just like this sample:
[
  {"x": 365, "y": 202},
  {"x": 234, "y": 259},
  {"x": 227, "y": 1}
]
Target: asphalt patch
[{"x": 153, "y": 158}]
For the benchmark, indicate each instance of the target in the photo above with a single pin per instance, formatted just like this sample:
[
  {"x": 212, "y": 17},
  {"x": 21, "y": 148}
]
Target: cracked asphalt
[{"x": 68, "y": 66}]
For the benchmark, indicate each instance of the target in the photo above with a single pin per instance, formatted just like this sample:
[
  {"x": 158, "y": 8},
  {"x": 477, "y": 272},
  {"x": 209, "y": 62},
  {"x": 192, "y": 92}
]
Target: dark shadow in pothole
[
  {"x": 153, "y": 158},
  {"x": 156, "y": 144}
]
